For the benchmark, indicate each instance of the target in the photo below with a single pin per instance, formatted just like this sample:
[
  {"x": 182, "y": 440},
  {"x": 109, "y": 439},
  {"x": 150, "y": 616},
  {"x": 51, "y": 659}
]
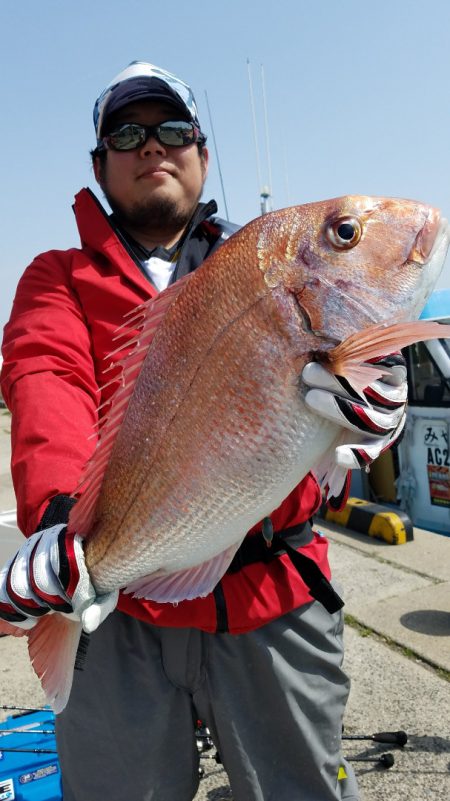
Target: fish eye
[{"x": 344, "y": 233}]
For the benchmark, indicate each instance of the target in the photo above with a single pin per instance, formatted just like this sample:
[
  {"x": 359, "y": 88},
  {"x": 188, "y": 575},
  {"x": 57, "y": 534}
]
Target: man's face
[{"x": 154, "y": 186}]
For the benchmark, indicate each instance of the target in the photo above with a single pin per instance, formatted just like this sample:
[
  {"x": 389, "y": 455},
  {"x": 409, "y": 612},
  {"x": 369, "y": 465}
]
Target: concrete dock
[{"x": 397, "y": 602}]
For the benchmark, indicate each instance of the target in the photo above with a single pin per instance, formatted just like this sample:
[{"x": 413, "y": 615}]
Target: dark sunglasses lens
[
  {"x": 127, "y": 137},
  {"x": 177, "y": 134},
  {"x": 131, "y": 136}
]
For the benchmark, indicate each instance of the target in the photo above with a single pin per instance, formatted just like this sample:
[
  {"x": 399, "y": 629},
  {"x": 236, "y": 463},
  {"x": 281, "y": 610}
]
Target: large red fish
[{"x": 209, "y": 431}]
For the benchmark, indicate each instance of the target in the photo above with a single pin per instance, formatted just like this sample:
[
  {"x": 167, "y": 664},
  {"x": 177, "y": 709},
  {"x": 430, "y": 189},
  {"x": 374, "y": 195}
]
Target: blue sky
[{"x": 358, "y": 101}]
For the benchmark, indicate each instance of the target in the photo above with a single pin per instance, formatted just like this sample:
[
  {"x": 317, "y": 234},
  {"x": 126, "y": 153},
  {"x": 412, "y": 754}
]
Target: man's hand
[
  {"x": 377, "y": 419},
  {"x": 48, "y": 573}
]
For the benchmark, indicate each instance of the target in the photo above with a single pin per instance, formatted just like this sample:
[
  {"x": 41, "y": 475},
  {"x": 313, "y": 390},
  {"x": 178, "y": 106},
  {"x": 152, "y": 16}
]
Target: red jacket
[{"x": 67, "y": 306}]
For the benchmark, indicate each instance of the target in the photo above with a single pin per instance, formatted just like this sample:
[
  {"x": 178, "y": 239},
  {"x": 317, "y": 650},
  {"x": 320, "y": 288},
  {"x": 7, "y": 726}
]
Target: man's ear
[
  {"x": 205, "y": 161},
  {"x": 98, "y": 167}
]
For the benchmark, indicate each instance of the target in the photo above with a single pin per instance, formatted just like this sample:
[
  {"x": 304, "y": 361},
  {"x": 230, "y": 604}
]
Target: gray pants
[{"x": 273, "y": 700}]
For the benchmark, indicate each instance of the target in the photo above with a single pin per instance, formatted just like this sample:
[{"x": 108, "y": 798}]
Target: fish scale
[{"x": 202, "y": 451}]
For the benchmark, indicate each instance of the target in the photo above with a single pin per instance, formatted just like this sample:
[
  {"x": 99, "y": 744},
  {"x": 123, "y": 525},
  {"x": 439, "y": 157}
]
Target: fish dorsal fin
[
  {"x": 347, "y": 359},
  {"x": 137, "y": 332}
]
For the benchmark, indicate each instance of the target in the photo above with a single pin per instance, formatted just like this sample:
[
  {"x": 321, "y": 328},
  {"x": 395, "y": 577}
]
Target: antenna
[
  {"x": 287, "y": 186},
  {"x": 217, "y": 155},
  {"x": 266, "y": 128},
  {"x": 264, "y": 191}
]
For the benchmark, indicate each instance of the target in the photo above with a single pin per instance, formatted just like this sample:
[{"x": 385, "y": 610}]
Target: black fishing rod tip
[
  {"x": 396, "y": 737},
  {"x": 402, "y": 738},
  {"x": 383, "y": 761}
]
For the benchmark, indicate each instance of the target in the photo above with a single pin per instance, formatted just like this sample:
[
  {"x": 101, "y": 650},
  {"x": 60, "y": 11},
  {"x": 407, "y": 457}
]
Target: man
[{"x": 258, "y": 659}]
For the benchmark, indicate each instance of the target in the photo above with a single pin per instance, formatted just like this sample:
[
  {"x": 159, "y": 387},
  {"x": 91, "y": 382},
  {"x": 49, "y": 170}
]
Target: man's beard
[{"x": 152, "y": 216}]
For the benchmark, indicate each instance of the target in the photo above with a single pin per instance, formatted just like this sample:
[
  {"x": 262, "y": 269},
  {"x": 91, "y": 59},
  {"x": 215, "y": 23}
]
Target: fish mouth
[
  {"x": 431, "y": 267},
  {"x": 436, "y": 244}
]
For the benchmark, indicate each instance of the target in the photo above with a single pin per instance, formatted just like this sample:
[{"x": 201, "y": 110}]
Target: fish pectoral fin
[
  {"x": 349, "y": 359},
  {"x": 183, "y": 585},
  {"x": 52, "y": 646}
]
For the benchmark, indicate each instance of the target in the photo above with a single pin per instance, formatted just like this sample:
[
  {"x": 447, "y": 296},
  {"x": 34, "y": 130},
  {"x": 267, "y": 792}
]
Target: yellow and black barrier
[{"x": 381, "y": 522}]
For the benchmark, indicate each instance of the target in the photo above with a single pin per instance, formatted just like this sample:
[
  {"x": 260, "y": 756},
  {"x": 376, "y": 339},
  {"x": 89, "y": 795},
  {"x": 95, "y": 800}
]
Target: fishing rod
[
  {"x": 384, "y": 760},
  {"x": 25, "y": 708},
  {"x": 28, "y": 750},
  {"x": 395, "y": 737},
  {"x": 26, "y": 731},
  {"x": 3, "y": 732}
]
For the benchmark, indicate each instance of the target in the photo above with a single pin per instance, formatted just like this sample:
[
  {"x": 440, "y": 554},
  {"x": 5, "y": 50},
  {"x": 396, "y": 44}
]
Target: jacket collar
[{"x": 99, "y": 234}]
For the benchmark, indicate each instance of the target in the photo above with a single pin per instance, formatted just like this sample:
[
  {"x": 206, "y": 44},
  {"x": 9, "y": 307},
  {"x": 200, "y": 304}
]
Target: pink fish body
[{"x": 216, "y": 432}]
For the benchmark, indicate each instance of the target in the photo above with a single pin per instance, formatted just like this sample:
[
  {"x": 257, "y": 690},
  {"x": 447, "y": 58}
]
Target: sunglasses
[{"x": 130, "y": 136}]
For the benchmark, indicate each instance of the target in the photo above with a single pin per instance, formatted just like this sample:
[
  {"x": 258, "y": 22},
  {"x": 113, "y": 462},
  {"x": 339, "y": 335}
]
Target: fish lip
[
  {"x": 430, "y": 270},
  {"x": 441, "y": 237},
  {"x": 443, "y": 232},
  {"x": 427, "y": 238}
]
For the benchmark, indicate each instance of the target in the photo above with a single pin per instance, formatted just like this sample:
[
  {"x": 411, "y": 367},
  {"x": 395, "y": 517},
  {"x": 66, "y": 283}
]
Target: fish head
[{"x": 354, "y": 261}]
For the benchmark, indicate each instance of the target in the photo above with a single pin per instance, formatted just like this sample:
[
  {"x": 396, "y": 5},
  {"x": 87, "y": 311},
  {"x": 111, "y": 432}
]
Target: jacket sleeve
[{"x": 48, "y": 382}]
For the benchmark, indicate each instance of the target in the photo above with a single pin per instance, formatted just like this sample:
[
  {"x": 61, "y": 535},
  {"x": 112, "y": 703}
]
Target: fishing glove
[
  {"x": 49, "y": 573},
  {"x": 376, "y": 419}
]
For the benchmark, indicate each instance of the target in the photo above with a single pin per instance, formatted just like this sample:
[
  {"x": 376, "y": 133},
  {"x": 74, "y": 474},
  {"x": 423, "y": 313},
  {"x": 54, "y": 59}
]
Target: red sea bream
[{"x": 208, "y": 431}]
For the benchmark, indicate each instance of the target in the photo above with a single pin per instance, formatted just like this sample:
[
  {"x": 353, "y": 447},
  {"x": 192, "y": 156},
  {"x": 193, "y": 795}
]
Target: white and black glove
[
  {"x": 48, "y": 573},
  {"x": 377, "y": 419}
]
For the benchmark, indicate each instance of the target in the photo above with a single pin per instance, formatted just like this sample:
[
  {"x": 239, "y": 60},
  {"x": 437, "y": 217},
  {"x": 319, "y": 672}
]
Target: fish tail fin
[
  {"x": 53, "y": 646},
  {"x": 348, "y": 359}
]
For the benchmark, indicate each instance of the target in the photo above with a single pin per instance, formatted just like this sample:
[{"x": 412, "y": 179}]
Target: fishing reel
[
  {"x": 203, "y": 738},
  {"x": 204, "y": 744}
]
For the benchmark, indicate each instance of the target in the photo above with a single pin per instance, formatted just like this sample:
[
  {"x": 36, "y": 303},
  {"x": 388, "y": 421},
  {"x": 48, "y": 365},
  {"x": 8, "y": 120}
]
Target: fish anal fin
[
  {"x": 330, "y": 475},
  {"x": 348, "y": 358},
  {"x": 52, "y": 646},
  {"x": 12, "y": 630},
  {"x": 183, "y": 585},
  {"x": 145, "y": 319}
]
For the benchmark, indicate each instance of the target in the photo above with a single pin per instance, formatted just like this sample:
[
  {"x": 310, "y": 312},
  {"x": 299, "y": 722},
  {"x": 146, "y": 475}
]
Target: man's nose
[{"x": 152, "y": 147}]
